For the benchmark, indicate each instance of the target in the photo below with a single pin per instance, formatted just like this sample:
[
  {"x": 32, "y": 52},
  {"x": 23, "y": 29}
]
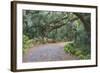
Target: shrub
[
  {"x": 81, "y": 56},
  {"x": 69, "y": 48},
  {"x": 80, "y": 52},
  {"x": 27, "y": 43}
]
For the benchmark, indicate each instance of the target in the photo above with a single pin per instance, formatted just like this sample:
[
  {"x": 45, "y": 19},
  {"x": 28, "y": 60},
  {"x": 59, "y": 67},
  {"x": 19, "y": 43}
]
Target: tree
[{"x": 58, "y": 26}]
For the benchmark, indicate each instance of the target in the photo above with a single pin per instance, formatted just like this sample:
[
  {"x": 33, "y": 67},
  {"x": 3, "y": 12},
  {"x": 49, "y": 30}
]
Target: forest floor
[{"x": 47, "y": 52}]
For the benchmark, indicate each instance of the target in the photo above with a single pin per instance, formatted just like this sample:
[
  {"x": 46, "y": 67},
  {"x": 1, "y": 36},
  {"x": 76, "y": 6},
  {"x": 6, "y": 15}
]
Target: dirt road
[{"x": 47, "y": 52}]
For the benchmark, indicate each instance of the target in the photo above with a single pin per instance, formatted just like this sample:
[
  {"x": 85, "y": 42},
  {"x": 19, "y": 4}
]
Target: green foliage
[
  {"x": 78, "y": 52},
  {"x": 69, "y": 48},
  {"x": 49, "y": 24},
  {"x": 40, "y": 27},
  {"x": 27, "y": 43}
]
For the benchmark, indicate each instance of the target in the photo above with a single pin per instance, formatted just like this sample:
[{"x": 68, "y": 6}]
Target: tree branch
[
  {"x": 84, "y": 21},
  {"x": 58, "y": 26}
]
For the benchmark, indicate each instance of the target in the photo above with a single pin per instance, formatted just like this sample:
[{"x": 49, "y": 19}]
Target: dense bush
[
  {"x": 80, "y": 52},
  {"x": 27, "y": 43}
]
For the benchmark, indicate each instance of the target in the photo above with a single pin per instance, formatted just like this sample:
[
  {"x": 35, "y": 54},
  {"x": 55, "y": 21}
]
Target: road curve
[{"x": 47, "y": 52}]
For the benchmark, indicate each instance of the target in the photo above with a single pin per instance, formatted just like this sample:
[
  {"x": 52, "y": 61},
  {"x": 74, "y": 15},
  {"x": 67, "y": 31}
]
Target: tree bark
[{"x": 84, "y": 21}]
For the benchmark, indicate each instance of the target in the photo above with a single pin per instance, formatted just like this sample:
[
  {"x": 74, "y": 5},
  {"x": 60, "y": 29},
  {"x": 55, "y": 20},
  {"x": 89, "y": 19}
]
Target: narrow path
[{"x": 47, "y": 52}]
